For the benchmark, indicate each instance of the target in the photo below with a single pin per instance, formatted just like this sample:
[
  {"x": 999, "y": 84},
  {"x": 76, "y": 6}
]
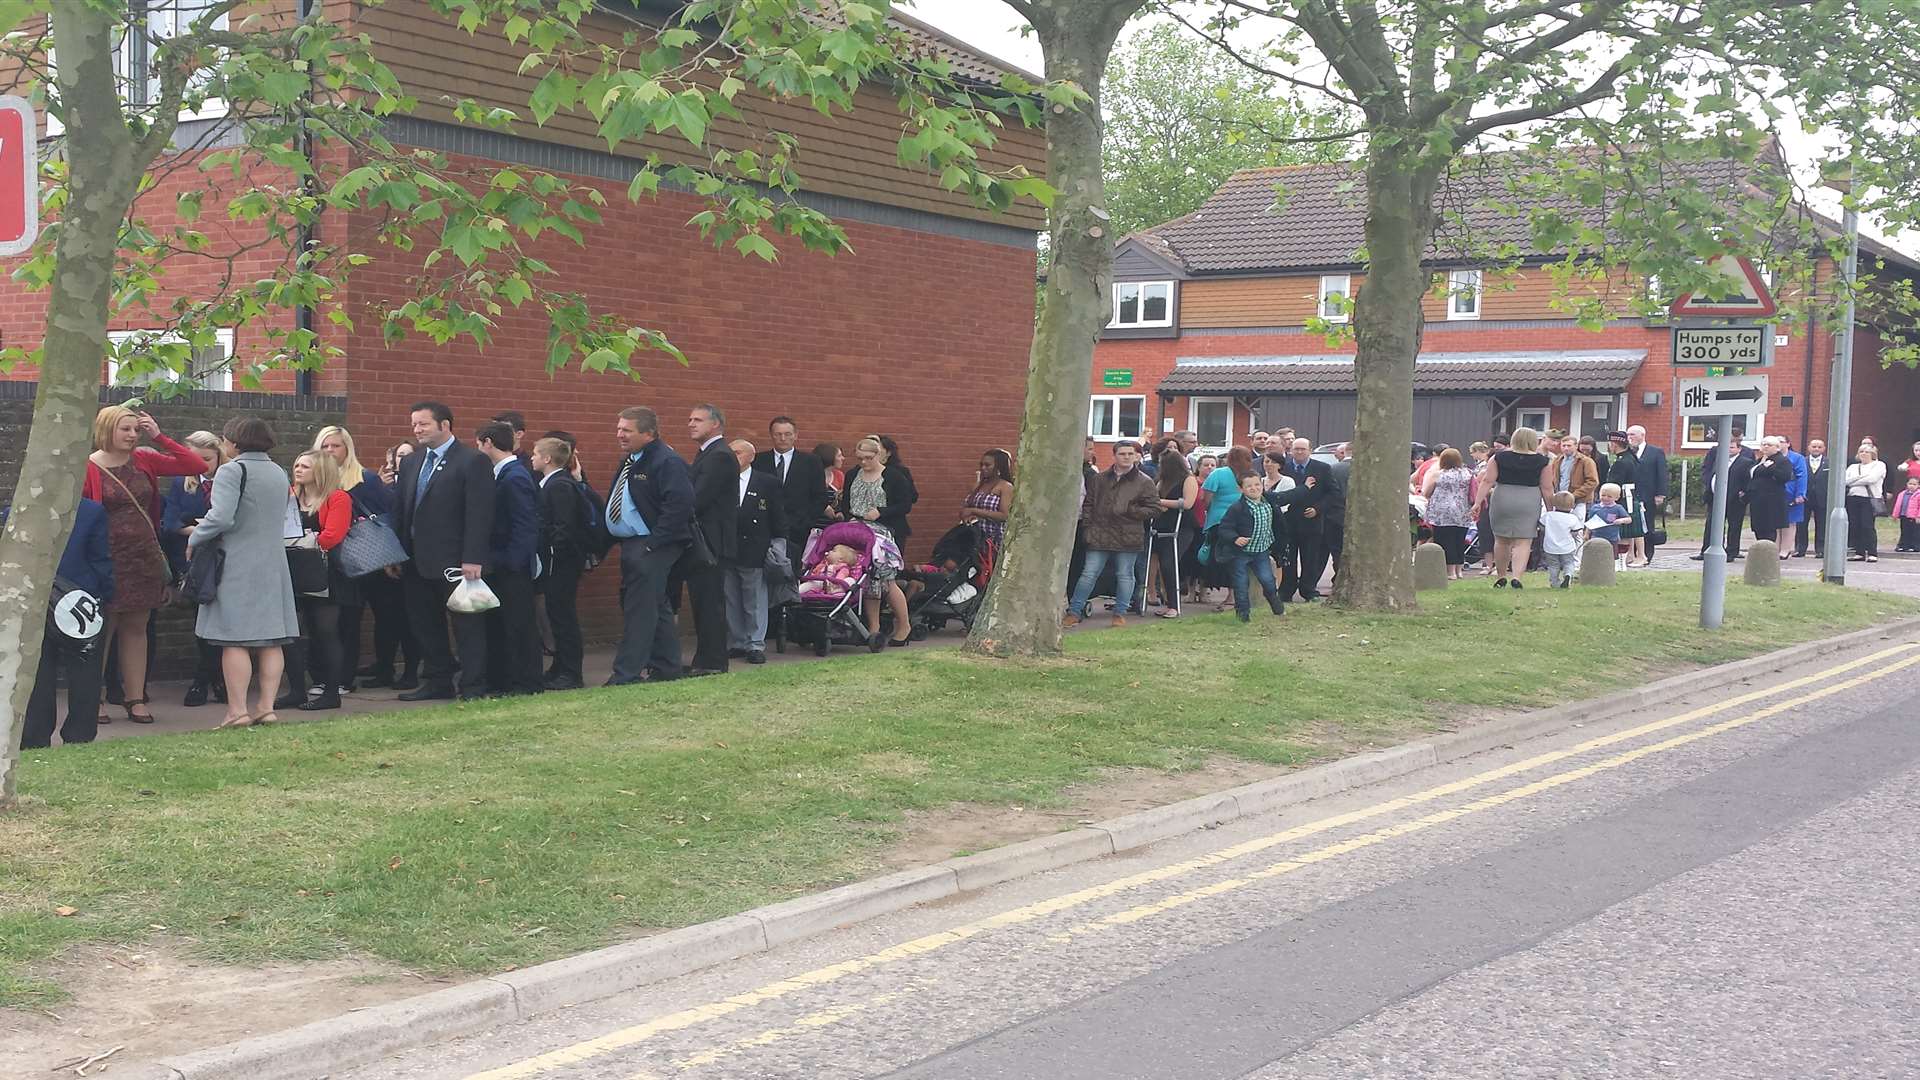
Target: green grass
[
  {"x": 476, "y": 837},
  {"x": 1693, "y": 530}
]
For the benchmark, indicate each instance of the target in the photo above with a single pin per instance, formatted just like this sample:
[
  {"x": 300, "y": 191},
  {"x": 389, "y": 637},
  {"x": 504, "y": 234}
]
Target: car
[{"x": 1420, "y": 452}]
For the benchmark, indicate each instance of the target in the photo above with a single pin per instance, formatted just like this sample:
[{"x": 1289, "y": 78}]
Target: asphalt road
[{"x": 1723, "y": 887}]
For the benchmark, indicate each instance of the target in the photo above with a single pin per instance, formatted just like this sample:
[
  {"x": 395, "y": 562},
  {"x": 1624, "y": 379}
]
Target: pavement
[{"x": 1718, "y": 884}]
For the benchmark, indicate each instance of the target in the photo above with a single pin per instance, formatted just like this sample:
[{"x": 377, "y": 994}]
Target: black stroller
[{"x": 954, "y": 583}]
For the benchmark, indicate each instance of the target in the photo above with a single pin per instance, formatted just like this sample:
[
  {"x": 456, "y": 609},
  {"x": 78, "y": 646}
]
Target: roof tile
[{"x": 1592, "y": 371}]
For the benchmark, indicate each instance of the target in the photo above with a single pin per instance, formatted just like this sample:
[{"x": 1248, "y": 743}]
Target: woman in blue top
[
  {"x": 1223, "y": 491},
  {"x": 187, "y": 500}
]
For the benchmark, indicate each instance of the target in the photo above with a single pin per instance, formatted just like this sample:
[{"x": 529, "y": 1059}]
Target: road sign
[
  {"x": 1726, "y": 394},
  {"x": 19, "y": 176},
  {"x": 1721, "y": 346},
  {"x": 1746, "y": 293}
]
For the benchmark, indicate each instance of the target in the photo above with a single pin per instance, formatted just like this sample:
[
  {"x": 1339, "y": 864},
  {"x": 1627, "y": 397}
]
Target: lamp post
[{"x": 1840, "y": 392}]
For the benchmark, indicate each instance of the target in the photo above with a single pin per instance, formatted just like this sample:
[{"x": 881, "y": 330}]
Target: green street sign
[{"x": 1117, "y": 377}]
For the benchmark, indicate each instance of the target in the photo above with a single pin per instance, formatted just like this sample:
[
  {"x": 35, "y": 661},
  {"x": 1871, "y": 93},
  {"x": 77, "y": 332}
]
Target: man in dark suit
[
  {"x": 1817, "y": 479},
  {"x": 566, "y": 516},
  {"x": 715, "y": 474},
  {"x": 1336, "y": 515},
  {"x": 802, "y": 480},
  {"x": 1306, "y": 521},
  {"x": 1739, "y": 471},
  {"x": 761, "y": 525},
  {"x": 444, "y": 515},
  {"x": 513, "y": 642},
  {"x": 649, "y": 510},
  {"x": 1649, "y": 480}
]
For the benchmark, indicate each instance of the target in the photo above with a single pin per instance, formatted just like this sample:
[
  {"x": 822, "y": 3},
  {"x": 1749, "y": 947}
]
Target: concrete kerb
[{"x": 370, "y": 1034}]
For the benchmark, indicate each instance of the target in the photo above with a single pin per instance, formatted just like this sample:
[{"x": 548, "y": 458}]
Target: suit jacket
[
  {"x": 762, "y": 516},
  {"x": 563, "y": 520},
  {"x": 1817, "y": 480},
  {"x": 1739, "y": 471},
  {"x": 453, "y": 522},
  {"x": 1305, "y": 498},
  {"x": 515, "y": 534},
  {"x": 715, "y": 474},
  {"x": 1649, "y": 472},
  {"x": 1769, "y": 492},
  {"x": 1336, "y": 506},
  {"x": 662, "y": 491},
  {"x": 804, "y": 494}
]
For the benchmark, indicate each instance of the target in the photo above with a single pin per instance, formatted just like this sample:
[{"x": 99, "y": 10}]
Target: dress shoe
[
  {"x": 566, "y": 682},
  {"x": 319, "y": 702},
  {"x": 615, "y": 680},
  {"x": 196, "y": 695},
  {"x": 429, "y": 692},
  {"x": 756, "y": 656},
  {"x": 407, "y": 681},
  {"x": 380, "y": 679},
  {"x": 703, "y": 672},
  {"x": 736, "y": 654},
  {"x": 289, "y": 700},
  {"x": 1698, "y": 558},
  {"x": 655, "y": 675}
]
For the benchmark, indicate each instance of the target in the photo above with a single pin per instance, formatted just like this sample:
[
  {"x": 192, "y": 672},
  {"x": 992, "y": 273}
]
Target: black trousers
[
  {"x": 513, "y": 642},
  {"x": 1336, "y": 537},
  {"x": 1816, "y": 516},
  {"x": 1452, "y": 540},
  {"x": 1736, "y": 524},
  {"x": 316, "y": 659},
  {"x": 649, "y": 639},
  {"x": 427, "y": 613},
  {"x": 1078, "y": 561},
  {"x": 392, "y": 630},
  {"x": 82, "y": 665},
  {"x": 561, "y": 590},
  {"x": 1861, "y": 537},
  {"x": 707, "y": 591},
  {"x": 1308, "y": 559}
]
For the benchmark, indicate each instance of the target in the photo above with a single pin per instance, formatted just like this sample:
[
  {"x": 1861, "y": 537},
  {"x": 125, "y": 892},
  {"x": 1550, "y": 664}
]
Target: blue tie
[{"x": 426, "y": 476}]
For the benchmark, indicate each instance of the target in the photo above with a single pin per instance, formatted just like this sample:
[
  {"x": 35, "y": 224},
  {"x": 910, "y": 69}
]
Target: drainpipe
[
  {"x": 1806, "y": 390},
  {"x": 303, "y": 314}
]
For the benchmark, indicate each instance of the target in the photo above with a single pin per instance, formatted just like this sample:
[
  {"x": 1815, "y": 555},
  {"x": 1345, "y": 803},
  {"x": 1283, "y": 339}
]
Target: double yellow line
[{"x": 686, "y": 1018}]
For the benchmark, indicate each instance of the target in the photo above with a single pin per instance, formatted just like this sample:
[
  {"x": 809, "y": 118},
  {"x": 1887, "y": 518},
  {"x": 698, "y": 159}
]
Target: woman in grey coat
[{"x": 252, "y": 612}]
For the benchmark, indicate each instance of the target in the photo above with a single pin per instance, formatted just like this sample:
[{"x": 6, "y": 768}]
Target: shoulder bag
[
  {"x": 201, "y": 582},
  {"x": 166, "y": 569},
  {"x": 369, "y": 547}
]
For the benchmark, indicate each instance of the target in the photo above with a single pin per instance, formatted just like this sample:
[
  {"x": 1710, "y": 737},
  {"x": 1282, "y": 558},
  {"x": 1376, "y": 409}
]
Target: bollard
[
  {"x": 1763, "y": 563},
  {"x": 1429, "y": 567},
  {"x": 1597, "y": 563}
]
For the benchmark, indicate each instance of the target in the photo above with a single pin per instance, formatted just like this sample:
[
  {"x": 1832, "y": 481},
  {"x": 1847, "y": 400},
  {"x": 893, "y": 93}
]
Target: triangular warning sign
[{"x": 1747, "y": 295}]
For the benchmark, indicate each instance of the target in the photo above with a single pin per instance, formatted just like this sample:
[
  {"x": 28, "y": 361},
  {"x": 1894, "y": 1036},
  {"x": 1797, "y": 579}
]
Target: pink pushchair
[{"x": 833, "y": 612}]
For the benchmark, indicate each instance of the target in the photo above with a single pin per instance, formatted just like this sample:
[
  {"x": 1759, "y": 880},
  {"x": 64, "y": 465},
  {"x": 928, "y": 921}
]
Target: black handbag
[
  {"x": 307, "y": 566},
  {"x": 201, "y": 583}
]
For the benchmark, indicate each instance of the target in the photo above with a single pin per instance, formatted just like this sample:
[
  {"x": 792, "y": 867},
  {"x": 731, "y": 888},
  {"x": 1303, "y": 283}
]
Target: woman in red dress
[{"x": 125, "y": 477}]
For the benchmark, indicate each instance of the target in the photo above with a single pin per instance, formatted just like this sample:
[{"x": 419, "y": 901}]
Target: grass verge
[{"x": 478, "y": 837}]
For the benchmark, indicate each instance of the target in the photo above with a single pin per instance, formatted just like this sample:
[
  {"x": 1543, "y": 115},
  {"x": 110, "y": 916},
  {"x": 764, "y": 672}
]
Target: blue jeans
[
  {"x": 1123, "y": 563},
  {"x": 1262, "y": 567}
]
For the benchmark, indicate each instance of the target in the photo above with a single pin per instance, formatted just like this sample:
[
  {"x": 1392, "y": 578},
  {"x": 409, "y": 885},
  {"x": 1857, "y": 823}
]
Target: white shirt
[
  {"x": 501, "y": 464},
  {"x": 549, "y": 476},
  {"x": 1560, "y": 527},
  {"x": 745, "y": 474},
  {"x": 711, "y": 441}
]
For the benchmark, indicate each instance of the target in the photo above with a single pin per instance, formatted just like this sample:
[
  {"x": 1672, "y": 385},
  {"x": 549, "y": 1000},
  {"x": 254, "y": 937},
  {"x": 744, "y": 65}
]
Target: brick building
[
  {"x": 1210, "y": 333},
  {"x": 934, "y": 302}
]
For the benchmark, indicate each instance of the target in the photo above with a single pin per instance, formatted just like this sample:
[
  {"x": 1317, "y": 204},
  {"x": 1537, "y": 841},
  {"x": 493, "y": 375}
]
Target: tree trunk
[
  {"x": 1021, "y": 613},
  {"x": 1376, "y": 571},
  {"x": 105, "y": 165}
]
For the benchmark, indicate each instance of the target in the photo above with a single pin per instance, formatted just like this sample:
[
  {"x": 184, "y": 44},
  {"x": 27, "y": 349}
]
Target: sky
[{"x": 992, "y": 26}]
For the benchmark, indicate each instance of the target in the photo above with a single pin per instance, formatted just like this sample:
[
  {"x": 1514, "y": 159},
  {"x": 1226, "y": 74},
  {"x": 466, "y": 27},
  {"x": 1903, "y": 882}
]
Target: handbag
[
  {"x": 369, "y": 547},
  {"x": 1879, "y": 505},
  {"x": 307, "y": 566},
  {"x": 201, "y": 583},
  {"x": 700, "y": 551}
]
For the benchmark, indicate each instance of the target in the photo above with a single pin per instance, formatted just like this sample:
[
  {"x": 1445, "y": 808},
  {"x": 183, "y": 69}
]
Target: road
[{"x": 1722, "y": 887}]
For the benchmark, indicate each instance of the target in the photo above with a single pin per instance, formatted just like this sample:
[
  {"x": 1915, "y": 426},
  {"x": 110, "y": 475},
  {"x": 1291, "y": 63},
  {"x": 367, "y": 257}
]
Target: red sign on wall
[{"x": 19, "y": 176}]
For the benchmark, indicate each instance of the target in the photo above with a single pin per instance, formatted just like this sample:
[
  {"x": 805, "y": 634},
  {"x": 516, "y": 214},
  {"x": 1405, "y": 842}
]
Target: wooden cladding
[
  {"x": 853, "y": 155},
  {"x": 1292, "y": 300}
]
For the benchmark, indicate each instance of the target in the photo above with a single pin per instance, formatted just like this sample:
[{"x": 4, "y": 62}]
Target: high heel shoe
[{"x": 127, "y": 707}]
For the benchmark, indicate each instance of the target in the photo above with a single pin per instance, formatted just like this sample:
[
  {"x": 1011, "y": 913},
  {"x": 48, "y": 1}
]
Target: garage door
[{"x": 1453, "y": 419}]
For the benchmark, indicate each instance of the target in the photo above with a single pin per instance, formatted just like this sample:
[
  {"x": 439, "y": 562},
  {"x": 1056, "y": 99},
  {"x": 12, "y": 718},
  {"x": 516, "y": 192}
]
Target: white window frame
[
  {"x": 1141, "y": 287},
  {"x": 1543, "y": 412},
  {"x": 1193, "y": 418},
  {"x": 217, "y": 380},
  {"x": 1462, "y": 284},
  {"x": 1751, "y": 433},
  {"x": 1344, "y": 289},
  {"x": 1113, "y": 401},
  {"x": 165, "y": 15}
]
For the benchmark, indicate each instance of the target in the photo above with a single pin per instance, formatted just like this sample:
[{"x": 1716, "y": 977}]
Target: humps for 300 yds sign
[{"x": 79, "y": 615}]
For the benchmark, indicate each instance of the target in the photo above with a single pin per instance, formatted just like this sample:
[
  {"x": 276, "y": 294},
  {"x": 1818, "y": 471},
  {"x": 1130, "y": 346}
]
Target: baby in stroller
[{"x": 836, "y": 574}]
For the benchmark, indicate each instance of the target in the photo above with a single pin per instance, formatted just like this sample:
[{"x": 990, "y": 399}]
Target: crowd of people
[{"x": 469, "y": 554}]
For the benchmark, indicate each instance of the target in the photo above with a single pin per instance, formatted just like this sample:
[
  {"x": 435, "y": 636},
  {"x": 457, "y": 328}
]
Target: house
[
  {"x": 935, "y": 301},
  {"x": 1210, "y": 332}
]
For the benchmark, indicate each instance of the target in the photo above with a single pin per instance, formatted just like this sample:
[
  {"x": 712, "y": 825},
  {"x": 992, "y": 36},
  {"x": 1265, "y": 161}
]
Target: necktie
[
  {"x": 783, "y": 468},
  {"x": 618, "y": 497},
  {"x": 426, "y": 476}
]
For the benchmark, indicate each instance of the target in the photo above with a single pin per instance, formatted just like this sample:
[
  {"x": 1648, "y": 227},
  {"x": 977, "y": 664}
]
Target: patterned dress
[
  {"x": 995, "y": 531},
  {"x": 864, "y": 495},
  {"x": 140, "y": 574}
]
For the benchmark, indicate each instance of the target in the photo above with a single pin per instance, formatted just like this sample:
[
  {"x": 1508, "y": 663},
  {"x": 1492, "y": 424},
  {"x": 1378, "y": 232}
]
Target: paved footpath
[{"x": 1721, "y": 887}]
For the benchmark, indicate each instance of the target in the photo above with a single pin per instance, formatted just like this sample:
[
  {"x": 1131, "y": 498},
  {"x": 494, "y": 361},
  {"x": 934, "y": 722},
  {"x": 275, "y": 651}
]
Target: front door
[{"x": 1594, "y": 416}]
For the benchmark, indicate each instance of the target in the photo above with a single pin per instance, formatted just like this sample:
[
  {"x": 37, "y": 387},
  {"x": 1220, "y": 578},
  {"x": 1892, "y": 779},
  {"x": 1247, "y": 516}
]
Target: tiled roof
[
  {"x": 1299, "y": 217},
  {"x": 968, "y": 62},
  {"x": 1593, "y": 371}
]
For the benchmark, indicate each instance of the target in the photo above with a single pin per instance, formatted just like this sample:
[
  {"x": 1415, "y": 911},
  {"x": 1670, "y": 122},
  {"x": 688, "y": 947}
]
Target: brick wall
[{"x": 294, "y": 421}]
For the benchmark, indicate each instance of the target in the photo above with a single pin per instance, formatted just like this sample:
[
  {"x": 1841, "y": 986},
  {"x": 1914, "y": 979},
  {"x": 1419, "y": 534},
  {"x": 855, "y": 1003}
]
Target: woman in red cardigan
[
  {"x": 125, "y": 477},
  {"x": 326, "y": 513}
]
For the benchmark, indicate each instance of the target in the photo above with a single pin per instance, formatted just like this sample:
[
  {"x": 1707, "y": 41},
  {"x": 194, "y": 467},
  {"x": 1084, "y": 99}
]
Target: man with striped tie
[{"x": 649, "y": 507}]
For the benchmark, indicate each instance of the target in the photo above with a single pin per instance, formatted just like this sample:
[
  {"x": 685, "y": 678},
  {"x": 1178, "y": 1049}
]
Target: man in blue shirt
[
  {"x": 513, "y": 643},
  {"x": 649, "y": 508}
]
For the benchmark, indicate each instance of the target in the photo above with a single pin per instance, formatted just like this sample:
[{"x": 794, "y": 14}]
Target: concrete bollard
[
  {"x": 1429, "y": 567},
  {"x": 1763, "y": 563},
  {"x": 1597, "y": 563}
]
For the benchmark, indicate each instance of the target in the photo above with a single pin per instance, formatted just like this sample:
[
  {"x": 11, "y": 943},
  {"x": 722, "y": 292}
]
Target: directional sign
[
  {"x": 19, "y": 176},
  {"x": 1746, "y": 295},
  {"x": 1730, "y": 393},
  {"x": 1721, "y": 346}
]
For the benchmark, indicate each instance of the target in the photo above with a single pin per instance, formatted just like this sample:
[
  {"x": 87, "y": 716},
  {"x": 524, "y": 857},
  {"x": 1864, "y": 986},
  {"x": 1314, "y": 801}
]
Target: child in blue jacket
[{"x": 86, "y": 564}]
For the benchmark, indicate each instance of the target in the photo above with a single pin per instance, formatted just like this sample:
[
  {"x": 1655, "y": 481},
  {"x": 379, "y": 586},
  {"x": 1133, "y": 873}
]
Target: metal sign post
[{"x": 1713, "y": 566}]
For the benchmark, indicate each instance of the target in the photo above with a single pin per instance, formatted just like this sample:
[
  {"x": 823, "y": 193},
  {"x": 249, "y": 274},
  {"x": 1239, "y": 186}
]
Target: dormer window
[{"x": 1138, "y": 304}]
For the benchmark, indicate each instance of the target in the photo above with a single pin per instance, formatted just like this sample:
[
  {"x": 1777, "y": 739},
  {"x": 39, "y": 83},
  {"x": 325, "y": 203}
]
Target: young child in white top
[{"x": 1561, "y": 545}]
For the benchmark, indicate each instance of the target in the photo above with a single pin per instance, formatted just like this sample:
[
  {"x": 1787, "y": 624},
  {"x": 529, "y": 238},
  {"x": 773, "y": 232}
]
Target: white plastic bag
[{"x": 472, "y": 598}]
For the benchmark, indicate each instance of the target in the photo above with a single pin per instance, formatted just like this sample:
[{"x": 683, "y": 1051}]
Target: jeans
[
  {"x": 1261, "y": 564},
  {"x": 1123, "y": 589}
]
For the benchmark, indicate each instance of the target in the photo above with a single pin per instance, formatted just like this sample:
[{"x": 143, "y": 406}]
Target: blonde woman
[
  {"x": 881, "y": 493},
  {"x": 326, "y": 513},
  {"x": 124, "y": 477},
  {"x": 1515, "y": 495},
  {"x": 1865, "y": 478},
  {"x": 188, "y": 500},
  {"x": 370, "y": 497}
]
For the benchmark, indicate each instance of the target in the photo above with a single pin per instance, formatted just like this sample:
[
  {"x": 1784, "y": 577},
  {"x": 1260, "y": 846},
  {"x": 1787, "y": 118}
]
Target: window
[
  {"x": 1212, "y": 420},
  {"x": 1334, "y": 289},
  {"x": 133, "y": 55},
  {"x": 1142, "y": 303},
  {"x": 212, "y": 367},
  {"x": 1704, "y": 431},
  {"x": 1537, "y": 419},
  {"x": 1111, "y": 418},
  {"x": 1463, "y": 294}
]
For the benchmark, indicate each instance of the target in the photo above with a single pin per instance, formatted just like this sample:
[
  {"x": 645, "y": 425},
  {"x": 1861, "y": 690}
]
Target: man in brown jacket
[
  {"x": 1118, "y": 504},
  {"x": 1572, "y": 471}
]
